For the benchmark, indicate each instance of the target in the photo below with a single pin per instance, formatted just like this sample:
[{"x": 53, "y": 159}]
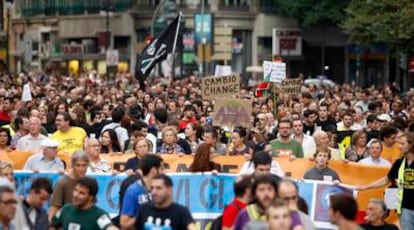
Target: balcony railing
[{"x": 31, "y": 8}]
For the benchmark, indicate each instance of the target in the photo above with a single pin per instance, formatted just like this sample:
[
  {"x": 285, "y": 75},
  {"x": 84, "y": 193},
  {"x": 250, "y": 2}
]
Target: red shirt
[
  {"x": 183, "y": 123},
  {"x": 231, "y": 211}
]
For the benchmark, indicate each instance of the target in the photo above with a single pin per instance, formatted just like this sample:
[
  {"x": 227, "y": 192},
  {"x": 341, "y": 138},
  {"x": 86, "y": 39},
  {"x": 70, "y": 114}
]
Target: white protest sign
[
  {"x": 112, "y": 58},
  {"x": 222, "y": 70},
  {"x": 27, "y": 94},
  {"x": 274, "y": 71},
  {"x": 391, "y": 198}
]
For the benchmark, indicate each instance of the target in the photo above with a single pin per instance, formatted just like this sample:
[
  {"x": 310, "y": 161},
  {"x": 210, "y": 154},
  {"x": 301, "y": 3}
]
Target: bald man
[
  {"x": 322, "y": 142},
  {"x": 31, "y": 141}
]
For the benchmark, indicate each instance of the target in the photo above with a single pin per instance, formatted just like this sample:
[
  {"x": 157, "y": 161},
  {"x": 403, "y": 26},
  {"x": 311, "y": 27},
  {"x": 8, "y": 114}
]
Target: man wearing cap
[{"x": 46, "y": 160}]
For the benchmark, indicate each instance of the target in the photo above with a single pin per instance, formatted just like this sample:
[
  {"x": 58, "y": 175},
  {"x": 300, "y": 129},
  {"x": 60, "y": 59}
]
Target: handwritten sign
[
  {"x": 292, "y": 86},
  {"x": 274, "y": 71},
  {"x": 224, "y": 86},
  {"x": 232, "y": 112}
]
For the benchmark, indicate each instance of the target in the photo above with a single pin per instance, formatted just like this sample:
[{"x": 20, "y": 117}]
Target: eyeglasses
[
  {"x": 289, "y": 198},
  {"x": 8, "y": 202}
]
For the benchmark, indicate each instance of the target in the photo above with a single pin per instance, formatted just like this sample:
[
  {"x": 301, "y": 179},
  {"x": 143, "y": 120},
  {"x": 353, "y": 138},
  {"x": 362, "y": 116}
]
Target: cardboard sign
[
  {"x": 232, "y": 112},
  {"x": 224, "y": 86},
  {"x": 292, "y": 86},
  {"x": 274, "y": 71}
]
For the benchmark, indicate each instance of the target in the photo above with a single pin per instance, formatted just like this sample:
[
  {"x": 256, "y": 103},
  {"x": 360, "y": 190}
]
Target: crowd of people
[{"x": 92, "y": 115}]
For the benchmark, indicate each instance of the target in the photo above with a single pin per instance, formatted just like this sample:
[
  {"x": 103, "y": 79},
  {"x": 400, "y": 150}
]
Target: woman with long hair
[
  {"x": 78, "y": 115},
  {"x": 192, "y": 135},
  {"x": 237, "y": 145},
  {"x": 203, "y": 160},
  {"x": 110, "y": 143},
  {"x": 5, "y": 140}
]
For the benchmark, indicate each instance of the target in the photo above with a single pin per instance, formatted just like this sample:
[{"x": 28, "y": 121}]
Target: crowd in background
[{"x": 93, "y": 115}]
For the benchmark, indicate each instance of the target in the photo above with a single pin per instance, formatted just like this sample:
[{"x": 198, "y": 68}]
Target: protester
[
  {"x": 321, "y": 171},
  {"x": 5, "y": 140},
  {"x": 342, "y": 211},
  {"x": 238, "y": 146},
  {"x": 70, "y": 138},
  {"x": 284, "y": 145},
  {"x": 96, "y": 164},
  {"x": 374, "y": 158},
  {"x": 63, "y": 190},
  {"x": 192, "y": 136},
  {"x": 32, "y": 141},
  {"x": 39, "y": 193},
  {"x": 117, "y": 114},
  {"x": 162, "y": 211},
  {"x": 47, "y": 159},
  {"x": 264, "y": 191},
  {"x": 376, "y": 213},
  {"x": 322, "y": 141},
  {"x": 170, "y": 142},
  {"x": 110, "y": 143},
  {"x": 261, "y": 163},
  {"x": 7, "y": 171},
  {"x": 288, "y": 191},
  {"x": 390, "y": 149},
  {"x": 141, "y": 148},
  {"x": 307, "y": 141},
  {"x": 82, "y": 212},
  {"x": 400, "y": 173},
  {"x": 21, "y": 126},
  {"x": 8, "y": 202},
  {"x": 139, "y": 192},
  {"x": 242, "y": 192},
  {"x": 203, "y": 160},
  {"x": 210, "y": 136},
  {"x": 358, "y": 149},
  {"x": 278, "y": 216}
]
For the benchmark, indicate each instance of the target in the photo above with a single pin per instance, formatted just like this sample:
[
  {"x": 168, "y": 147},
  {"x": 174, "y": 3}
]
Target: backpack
[{"x": 216, "y": 224}]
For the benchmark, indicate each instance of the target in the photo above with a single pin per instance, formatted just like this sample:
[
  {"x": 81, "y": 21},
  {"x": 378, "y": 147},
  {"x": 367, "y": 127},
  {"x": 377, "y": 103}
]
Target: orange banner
[{"x": 350, "y": 173}]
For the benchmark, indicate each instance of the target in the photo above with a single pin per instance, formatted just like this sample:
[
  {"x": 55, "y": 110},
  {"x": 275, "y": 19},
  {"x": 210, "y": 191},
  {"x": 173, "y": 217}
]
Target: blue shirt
[{"x": 135, "y": 195}]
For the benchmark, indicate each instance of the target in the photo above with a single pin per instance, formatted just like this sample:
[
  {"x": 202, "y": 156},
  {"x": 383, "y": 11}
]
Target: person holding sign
[
  {"x": 169, "y": 142},
  {"x": 321, "y": 171}
]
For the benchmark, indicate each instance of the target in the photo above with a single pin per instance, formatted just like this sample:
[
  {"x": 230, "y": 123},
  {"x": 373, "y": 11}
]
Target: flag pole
[{"x": 175, "y": 44}]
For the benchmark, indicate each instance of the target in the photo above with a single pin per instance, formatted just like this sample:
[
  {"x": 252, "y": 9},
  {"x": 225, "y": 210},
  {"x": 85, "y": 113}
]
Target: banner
[
  {"x": 232, "y": 112},
  {"x": 204, "y": 194},
  {"x": 220, "y": 87},
  {"x": 274, "y": 71},
  {"x": 292, "y": 86}
]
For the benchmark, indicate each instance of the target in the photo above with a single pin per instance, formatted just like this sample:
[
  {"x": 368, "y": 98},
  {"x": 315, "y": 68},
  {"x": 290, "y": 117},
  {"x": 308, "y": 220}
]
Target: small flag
[{"x": 157, "y": 50}]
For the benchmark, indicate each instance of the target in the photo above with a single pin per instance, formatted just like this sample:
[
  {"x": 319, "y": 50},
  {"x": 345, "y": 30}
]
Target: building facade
[{"x": 71, "y": 36}]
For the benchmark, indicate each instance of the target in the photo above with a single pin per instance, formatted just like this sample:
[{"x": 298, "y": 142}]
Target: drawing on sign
[
  {"x": 274, "y": 71},
  {"x": 112, "y": 57},
  {"x": 223, "y": 86},
  {"x": 292, "y": 86},
  {"x": 232, "y": 112}
]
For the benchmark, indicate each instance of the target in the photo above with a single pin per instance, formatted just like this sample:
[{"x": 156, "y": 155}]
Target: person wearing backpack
[{"x": 242, "y": 191}]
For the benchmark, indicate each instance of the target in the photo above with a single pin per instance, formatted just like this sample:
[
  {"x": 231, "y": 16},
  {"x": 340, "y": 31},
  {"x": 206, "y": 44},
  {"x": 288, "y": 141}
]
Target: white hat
[
  {"x": 50, "y": 143},
  {"x": 384, "y": 117}
]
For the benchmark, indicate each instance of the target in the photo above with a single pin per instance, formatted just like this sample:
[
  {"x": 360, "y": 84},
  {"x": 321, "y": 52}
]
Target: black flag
[{"x": 157, "y": 50}]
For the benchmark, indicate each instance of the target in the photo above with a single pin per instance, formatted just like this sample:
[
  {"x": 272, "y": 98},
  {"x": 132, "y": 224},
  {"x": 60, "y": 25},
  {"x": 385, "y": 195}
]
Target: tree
[
  {"x": 314, "y": 12},
  {"x": 372, "y": 22}
]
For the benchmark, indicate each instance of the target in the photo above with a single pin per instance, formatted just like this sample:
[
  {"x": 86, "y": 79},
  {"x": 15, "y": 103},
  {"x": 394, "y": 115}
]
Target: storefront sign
[{"x": 287, "y": 42}]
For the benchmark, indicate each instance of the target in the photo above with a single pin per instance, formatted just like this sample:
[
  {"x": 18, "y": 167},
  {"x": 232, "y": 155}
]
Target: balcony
[{"x": 32, "y": 8}]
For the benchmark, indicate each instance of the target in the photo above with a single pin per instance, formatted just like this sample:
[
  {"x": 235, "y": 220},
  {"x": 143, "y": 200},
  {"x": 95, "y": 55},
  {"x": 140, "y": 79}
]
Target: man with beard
[
  {"x": 284, "y": 145},
  {"x": 82, "y": 213},
  {"x": 162, "y": 212},
  {"x": 264, "y": 191}
]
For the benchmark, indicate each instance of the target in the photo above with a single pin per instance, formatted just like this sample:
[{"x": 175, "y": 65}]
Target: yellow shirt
[
  {"x": 71, "y": 140},
  {"x": 391, "y": 154}
]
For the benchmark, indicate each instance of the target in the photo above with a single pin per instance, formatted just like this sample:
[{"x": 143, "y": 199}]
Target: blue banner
[{"x": 205, "y": 194}]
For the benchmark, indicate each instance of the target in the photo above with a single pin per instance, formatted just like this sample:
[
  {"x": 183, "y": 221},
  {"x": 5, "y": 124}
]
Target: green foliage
[
  {"x": 314, "y": 12},
  {"x": 371, "y": 22}
]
